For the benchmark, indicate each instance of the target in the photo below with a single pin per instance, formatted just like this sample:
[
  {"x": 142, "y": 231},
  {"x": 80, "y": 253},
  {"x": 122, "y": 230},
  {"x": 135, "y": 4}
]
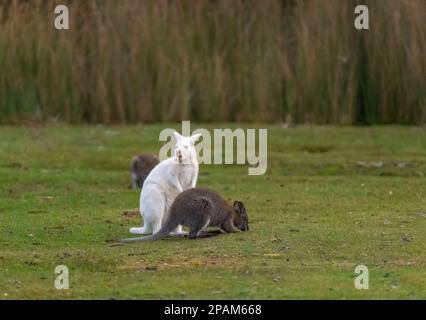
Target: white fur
[{"x": 169, "y": 178}]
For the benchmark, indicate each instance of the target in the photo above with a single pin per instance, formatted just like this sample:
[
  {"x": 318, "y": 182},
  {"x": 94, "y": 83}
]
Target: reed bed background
[{"x": 133, "y": 61}]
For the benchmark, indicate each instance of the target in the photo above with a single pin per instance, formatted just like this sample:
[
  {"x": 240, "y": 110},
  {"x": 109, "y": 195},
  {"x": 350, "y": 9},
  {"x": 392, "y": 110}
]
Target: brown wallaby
[
  {"x": 197, "y": 209},
  {"x": 141, "y": 166}
]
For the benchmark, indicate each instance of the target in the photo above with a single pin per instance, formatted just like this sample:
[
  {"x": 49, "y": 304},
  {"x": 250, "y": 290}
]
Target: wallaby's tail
[
  {"x": 164, "y": 231},
  {"x": 136, "y": 239}
]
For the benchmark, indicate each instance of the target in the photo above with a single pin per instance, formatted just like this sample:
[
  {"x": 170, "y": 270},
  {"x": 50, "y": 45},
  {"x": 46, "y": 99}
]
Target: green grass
[{"x": 332, "y": 198}]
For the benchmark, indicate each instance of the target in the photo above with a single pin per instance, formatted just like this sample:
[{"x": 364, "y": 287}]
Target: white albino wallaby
[{"x": 169, "y": 178}]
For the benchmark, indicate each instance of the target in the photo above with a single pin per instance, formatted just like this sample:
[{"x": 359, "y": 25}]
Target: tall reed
[{"x": 226, "y": 60}]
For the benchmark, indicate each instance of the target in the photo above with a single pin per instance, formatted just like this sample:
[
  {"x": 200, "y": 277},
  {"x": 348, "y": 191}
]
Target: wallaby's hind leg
[
  {"x": 193, "y": 234},
  {"x": 197, "y": 227},
  {"x": 152, "y": 210},
  {"x": 178, "y": 231},
  {"x": 156, "y": 226},
  {"x": 146, "y": 229}
]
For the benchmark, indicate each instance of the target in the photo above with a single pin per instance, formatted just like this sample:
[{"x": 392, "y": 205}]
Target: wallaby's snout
[
  {"x": 244, "y": 225},
  {"x": 179, "y": 155}
]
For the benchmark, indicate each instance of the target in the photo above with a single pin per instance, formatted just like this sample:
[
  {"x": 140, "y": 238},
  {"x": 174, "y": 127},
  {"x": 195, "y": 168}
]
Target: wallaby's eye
[{"x": 186, "y": 147}]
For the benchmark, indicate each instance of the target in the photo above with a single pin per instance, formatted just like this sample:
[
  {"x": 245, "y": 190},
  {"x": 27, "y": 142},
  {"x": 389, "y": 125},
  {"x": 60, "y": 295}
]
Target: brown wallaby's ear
[
  {"x": 238, "y": 206},
  {"x": 235, "y": 204}
]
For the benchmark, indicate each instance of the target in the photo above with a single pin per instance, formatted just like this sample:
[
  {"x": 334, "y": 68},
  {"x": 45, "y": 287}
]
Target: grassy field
[{"x": 332, "y": 198}]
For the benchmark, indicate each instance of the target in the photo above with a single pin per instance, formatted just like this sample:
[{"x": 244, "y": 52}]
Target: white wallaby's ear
[
  {"x": 195, "y": 137},
  {"x": 177, "y": 136}
]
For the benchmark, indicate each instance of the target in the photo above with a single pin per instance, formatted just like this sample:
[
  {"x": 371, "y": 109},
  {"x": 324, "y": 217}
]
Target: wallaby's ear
[
  {"x": 238, "y": 206},
  {"x": 195, "y": 138},
  {"x": 177, "y": 136}
]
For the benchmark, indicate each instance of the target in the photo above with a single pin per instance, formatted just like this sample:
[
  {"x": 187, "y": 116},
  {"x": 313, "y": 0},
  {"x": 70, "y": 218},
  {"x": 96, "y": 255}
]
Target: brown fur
[
  {"x": 197, "y": 209},
  {"x": 141, "y": 166}
]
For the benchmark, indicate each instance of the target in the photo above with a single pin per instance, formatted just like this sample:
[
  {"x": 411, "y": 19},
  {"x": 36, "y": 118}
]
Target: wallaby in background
[
  {"x": 168, "y": 179},
  {"x": 198, "y": 209},
  {"x": 140, "y": 168}
]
